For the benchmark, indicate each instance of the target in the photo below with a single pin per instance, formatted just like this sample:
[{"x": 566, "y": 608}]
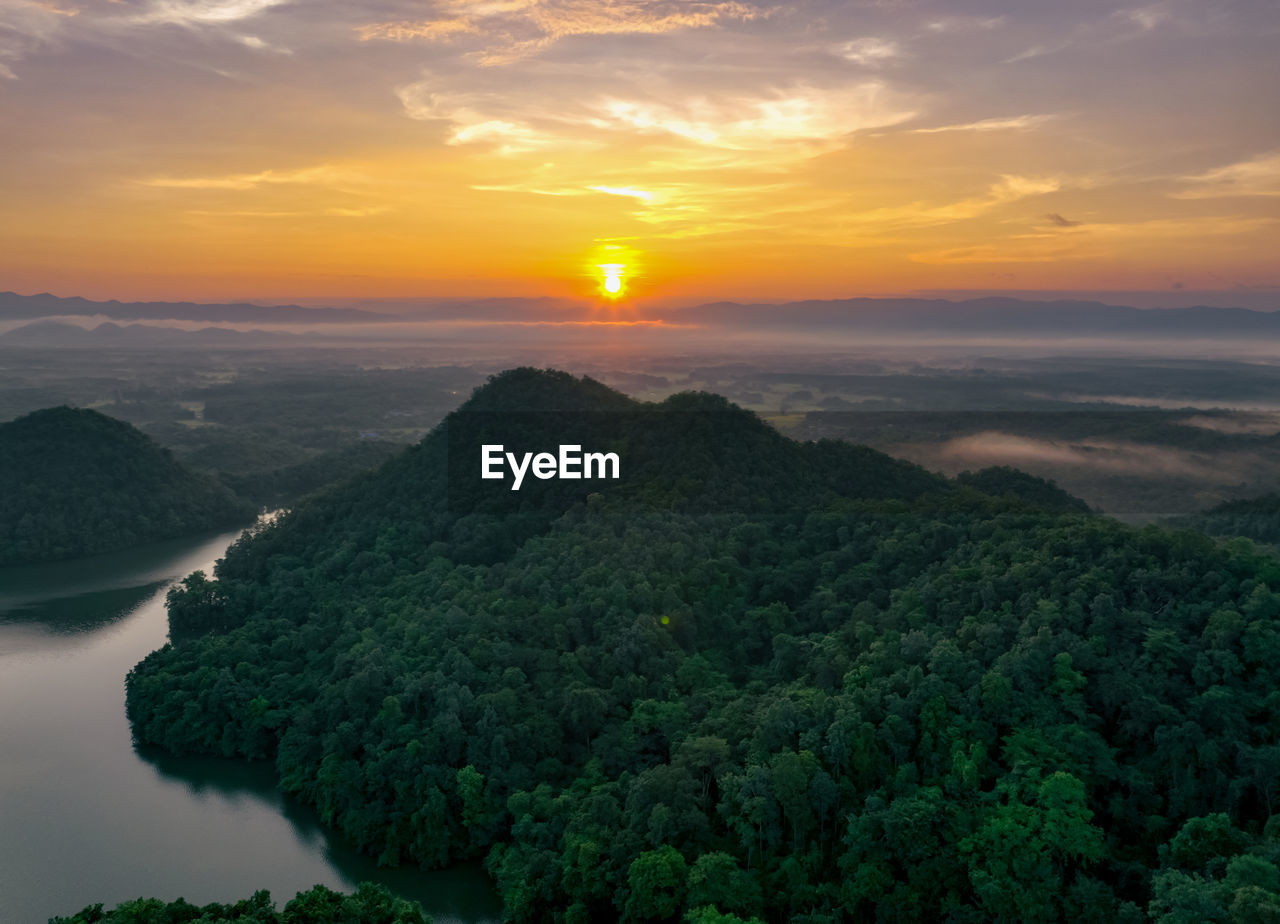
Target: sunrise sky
[{"x": 210, "y": 149}]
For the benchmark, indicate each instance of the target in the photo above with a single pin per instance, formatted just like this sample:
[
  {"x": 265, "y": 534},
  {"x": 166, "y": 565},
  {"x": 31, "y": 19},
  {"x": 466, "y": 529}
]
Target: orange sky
[{"x": 211, "y": 149}]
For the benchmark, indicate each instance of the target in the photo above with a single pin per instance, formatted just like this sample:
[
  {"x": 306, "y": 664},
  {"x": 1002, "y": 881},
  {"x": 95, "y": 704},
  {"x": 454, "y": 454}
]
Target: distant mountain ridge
[
  {"x": 983, "y": 315},
  {"x": 988, "y": 315},
  {"x": 15, "y": 307},
  {"x": 62, "y": 334}
]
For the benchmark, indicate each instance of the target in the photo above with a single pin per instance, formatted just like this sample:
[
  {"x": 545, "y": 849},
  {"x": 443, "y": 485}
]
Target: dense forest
[
  {"x": 369, "y": 904},
  {"x": 1257, "y": 519},
  {"x": 753, "y": 679},
  {"x": 1002, "y": 481},
  {"x": 75, "y": 482},
  {"x": 280, "y": 486}
]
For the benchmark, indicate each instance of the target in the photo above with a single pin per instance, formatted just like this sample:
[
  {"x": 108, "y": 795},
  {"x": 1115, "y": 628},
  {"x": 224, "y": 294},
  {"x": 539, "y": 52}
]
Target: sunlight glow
[{"x": 612, "y": 282}]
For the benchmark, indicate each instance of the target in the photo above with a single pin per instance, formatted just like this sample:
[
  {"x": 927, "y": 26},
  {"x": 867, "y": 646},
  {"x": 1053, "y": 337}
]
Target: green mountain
[
  {"x": 75, "y": 482},
  {"x": 747, "y": 679}
]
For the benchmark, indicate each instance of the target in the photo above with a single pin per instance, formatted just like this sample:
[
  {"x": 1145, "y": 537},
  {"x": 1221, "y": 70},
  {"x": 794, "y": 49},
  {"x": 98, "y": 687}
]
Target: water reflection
[
  {"x": 462, "y": 893},
  {"x": 83, "y": 613},
  {"x": 87, "y": 818},
  {"x": 148, "y": 565}
]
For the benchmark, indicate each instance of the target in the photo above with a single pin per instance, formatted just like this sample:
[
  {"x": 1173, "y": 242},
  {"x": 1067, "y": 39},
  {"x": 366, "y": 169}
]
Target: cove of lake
[{"x": 85, "y": 817}]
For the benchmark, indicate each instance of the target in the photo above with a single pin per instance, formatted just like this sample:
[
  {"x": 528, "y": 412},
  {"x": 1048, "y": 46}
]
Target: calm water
[{"x": 85, "y": 817}]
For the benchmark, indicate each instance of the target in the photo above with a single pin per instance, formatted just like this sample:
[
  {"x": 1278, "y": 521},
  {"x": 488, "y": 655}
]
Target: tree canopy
[
  {"x": 850, "y": 691},
  {"x": 369, "y": 904},
  {"x": 75, "y": 482}
]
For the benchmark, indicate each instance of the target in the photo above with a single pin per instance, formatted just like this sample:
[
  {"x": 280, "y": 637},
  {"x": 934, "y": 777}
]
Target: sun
[
  {"x": 612, "y": 283},
  {"x": 616, "y": 270}
]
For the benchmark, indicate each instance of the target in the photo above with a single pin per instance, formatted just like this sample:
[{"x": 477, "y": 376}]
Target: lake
[{"x": 85, "y": 817}]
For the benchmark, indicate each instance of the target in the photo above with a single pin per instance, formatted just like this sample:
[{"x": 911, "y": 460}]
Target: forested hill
[
  {"x": 75, "y": 482},
  {"x": 1003, "y": 481},
  {"x": 861, "y": 693},
  {"x": 1257, "y": 518}
]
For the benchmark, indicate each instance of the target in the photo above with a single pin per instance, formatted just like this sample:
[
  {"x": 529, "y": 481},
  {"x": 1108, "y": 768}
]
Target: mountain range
[
  {"x": 63, "y": 334},
  {"x": 979, "y": 316}
]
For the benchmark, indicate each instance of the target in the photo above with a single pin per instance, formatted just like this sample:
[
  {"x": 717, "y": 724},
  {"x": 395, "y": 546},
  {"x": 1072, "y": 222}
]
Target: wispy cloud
[
  {"x": 1147, "y": 17},
  {"x": 1038, "y": 50},
  {"x": 677, "y": 210},
  {"x": 737, "y": 122},
  {"x": 953, "y": 24},
  {"x": 26, "y": 26},
  {"x": 1258, "y": 176},
  {"x": 429, "y": 30},
  {"x": 513, "y": 29},
  {"x": 642, "y": 194},
  {"x": 743, "y": 122},
  {"x": 245, "y": 181},
  {"x": 1189, "y": 227},
  {"x": 1003, "y": 253},
  {"x": 870, "y": 52},
  {"x": 334, "y": 212},
  {"x": 1008, "y": 123},
  {"x": 479, "y": 119},
  {"x": 203, "y": 12}
]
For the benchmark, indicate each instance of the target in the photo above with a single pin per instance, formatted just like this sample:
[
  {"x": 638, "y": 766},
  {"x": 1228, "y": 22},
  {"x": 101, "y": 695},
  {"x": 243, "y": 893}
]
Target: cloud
[
  {"x": 203, "y": 12},
  {"x": 480, "y": 119},
  {"x": 1259, "y": 176},
  {"x": 952, "y": 24},
  {"x": 514, "y": 29},
  {"x": 530, "y": 189},
  {"x": 510, "y": 137},
  {"x": 1127, "y": 25},
  {"x": 1038, "y": 50},
  {"x": 739, "y": 121},
  {"x": 335, "y": 212},
  {"x": 1148, "y": 17},
  {"x": 1011, "y": 252},
  {"x": 1200, "y": 226},
  {"x": 1094, "y": 241},
  {"x": 642, "y": 194},
  {"x": 1062, "y": 222},
  {"x": 1008, "y": 189},
  {"x": 869, "y": 52},
  {"x": 744, "y": 122},
  {"x": 1010, "y": 123},
  {"x": 26, "y": 26},
  {"x": 1013, "y": 187},
  {"x": 677, "y": 210},
  {"x": 245, "y": 181},
  {"x": 430, "y": 30}
]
